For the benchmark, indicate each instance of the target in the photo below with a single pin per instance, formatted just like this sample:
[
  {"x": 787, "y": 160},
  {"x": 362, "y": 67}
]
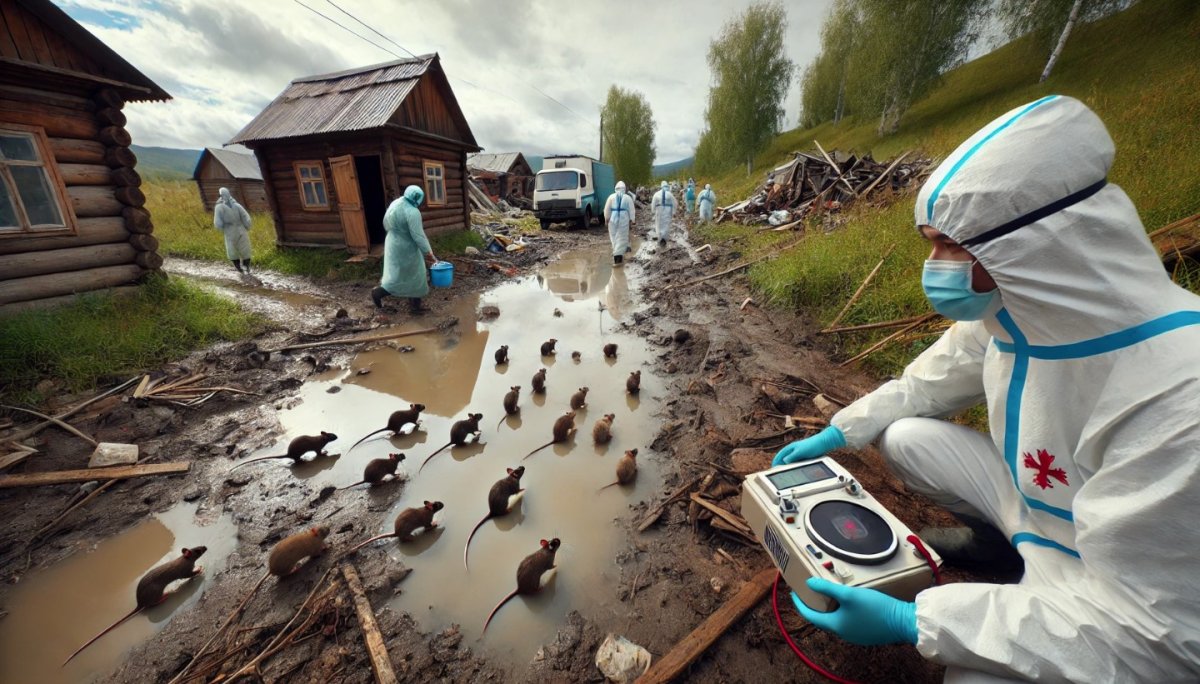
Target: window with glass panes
[
  {"x": 435, "y": 183},
  {"x": 29, "y": 190},
  {"x": 311, "y": 177}
]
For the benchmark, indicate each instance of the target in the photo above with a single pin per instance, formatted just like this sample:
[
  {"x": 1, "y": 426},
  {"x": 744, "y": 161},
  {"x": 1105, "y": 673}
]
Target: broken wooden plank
[
  {"x": 692, "y": 646},
  {"x": 883, "y": 175},
  {"x": 733, "y": 519},
  {"x": 381, "y": 664},
  {"x": 656, "y": 512},
  {"x": 140, "y": 390},
  {"x": 15, "y": 457},
  {"x": 354, "y": 340},
  {"x": 54, "y": 477}
]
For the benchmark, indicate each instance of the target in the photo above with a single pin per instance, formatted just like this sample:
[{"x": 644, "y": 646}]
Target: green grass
[
  {"x": 1138, "y": 70},
  {"x": 105, "y": 336},
  {"x": 446, "y": 244}
]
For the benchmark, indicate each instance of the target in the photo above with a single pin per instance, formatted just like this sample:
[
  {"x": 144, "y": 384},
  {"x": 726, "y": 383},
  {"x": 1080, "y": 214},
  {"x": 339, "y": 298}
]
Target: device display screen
[{"x": 795, "y": 477}]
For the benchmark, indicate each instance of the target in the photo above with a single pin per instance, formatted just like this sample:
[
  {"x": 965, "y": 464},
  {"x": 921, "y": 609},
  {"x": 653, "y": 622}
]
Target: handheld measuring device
[{"x": 816, "y": 520}]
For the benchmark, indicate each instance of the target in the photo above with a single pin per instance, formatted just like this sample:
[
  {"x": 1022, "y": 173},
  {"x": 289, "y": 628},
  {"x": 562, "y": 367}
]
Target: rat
[
  {"x": 298, "y": 448},
  {"x": 548, "y": 347},
  {"x": 397, "y": 420},
  {"x": 459, "y": 433},
  {"x": 564, "y": 429},
  {"x": 539, "y": 382},
  {"x": 408, "y": 521},
  {"x": 529, "y": 575},
  {"x": 602, "y": 430},
  {"x": 579, "y": 399},
  {"x": 576, "y": 356},
  {"x": 377, "y": 469},
  {"x": 288, "y": 552},
  {"x": 498, "y": 498},
  {"x": 633, "y": 385},
  {"x": 626, "y": 469},
  {"x": 510, "y": 404},
  {"x": 151, "y": 589},
  {"x": 502, "y": 355},
  {"x": 610, "y": 350}
]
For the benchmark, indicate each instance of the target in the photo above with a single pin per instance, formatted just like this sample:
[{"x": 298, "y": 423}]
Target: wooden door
[{"x": 354, "y": 221}]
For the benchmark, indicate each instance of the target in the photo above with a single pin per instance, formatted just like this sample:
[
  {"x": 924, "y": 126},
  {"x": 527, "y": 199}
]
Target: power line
[
  {"x": 335, "y": 23},
  {"x": 373, "y": 29},
  {"x": 561, "y": 104}
]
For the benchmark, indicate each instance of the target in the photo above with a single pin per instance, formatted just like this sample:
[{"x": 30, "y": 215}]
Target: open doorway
[{"x": 370, "y": 186}]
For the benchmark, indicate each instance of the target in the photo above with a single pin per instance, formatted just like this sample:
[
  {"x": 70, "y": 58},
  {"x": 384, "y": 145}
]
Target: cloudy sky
[{"x": 224, "y": 60}]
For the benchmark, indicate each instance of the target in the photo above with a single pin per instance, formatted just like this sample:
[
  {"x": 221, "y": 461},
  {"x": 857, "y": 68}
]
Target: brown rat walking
[
  {"x": 458, "y": 434},
  {"x": 377, "y": 469},
  {"x": 288, "y": 552},
  {"x": 397, "y": 420},
  {"x": 498, "y": 499},
  {"x": 563, "y": 429},
  {"x": 408, "y": 521},
  {"x": 626, "y": 469},
  {"x": 529, "y": 575},
  {"x": 151, "y": 589},
  {"x": 297, "y": 448}
]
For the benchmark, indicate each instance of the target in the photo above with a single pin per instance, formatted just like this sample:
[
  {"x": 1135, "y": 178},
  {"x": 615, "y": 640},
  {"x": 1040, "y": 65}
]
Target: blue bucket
[{"x": 442, "y": 274}]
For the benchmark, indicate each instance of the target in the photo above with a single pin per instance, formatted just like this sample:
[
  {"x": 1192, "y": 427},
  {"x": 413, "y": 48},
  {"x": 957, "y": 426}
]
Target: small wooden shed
[
  {"x": 334, "y": 150},
  {"x": 502, "y": 175},
  {"x": 238, "y": 171},
  {"x": 71, "y": 208}
]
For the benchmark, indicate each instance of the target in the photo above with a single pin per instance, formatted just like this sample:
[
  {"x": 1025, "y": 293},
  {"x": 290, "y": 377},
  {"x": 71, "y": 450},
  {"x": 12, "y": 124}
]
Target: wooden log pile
[
  {"x": 479, "y": 199},
  {"x": 813, "y": 183}
]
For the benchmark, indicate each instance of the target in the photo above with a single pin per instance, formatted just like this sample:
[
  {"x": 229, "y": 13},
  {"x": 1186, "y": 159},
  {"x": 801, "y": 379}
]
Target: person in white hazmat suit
[
  {"x": 619, "y": 214},
  {"x": 663, "y": 206},
  {"x": 1088, "y": 357},
  {"x": 707, "y": 200},
  {"x": 231, "y": 218}
]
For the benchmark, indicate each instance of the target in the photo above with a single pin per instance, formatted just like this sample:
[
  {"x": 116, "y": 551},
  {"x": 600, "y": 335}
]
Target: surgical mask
[{"x": 947, "y": 284}]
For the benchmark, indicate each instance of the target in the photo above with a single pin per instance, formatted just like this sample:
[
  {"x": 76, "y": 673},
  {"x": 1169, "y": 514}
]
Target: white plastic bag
[{"x": 621, "y": 660}]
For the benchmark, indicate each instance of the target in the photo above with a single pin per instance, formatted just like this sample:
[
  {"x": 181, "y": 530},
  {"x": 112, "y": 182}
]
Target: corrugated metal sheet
[
  {"x": 495, "y": 163},
  {"x": 239, "y": 164},
  {"x": 344, "y": 101}
]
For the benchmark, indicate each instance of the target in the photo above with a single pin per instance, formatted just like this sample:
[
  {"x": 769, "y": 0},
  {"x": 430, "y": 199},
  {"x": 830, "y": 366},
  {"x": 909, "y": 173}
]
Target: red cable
[
  {"x": 937, "y": 579},
  {"x": 788, "y": 637}
]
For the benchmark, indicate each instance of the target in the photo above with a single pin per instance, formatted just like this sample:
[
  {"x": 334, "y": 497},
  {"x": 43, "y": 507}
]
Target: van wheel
[
  {"x": 586, "y": 221},
  {"x": 545, "y": 224}
]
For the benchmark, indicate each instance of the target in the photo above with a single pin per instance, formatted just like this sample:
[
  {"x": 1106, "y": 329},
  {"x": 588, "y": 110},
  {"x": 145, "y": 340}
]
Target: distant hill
[
  {"x": 672, "y": 168},
  {"x": 165, "y": 163}
]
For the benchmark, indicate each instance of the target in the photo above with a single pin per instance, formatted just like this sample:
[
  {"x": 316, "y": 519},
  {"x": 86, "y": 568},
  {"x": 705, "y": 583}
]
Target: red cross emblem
[{"x": 1042, "y": 464}]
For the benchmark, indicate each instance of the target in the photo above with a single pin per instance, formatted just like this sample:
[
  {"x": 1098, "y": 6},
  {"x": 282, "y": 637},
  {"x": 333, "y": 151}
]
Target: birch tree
[
  {"x": 1052, "y": 21},
  {"x": 629, "y": 135}
]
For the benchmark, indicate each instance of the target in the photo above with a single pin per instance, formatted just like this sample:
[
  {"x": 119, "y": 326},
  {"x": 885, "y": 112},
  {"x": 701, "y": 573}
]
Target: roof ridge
[{"x": 334, "y": 75}]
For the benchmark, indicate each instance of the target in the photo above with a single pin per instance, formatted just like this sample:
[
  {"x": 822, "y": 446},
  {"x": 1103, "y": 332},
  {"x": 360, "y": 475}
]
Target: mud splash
[
  {"x": 56, "y": 610},
  {"x": 454, "y": 375}
]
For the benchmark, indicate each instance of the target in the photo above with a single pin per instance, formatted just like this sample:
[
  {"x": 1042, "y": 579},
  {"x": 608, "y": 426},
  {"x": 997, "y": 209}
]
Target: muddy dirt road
[{"x": 702, "y": 360}]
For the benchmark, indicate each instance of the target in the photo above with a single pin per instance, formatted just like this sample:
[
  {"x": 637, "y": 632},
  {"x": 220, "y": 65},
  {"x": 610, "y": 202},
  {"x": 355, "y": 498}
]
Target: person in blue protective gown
[
  {"x": 1087, "y": 356},
  {"x": 689, "y": 196},
  {"x": 405, "y": 252},
  {"x": 619, "y": 214},
  {"x": 707, "y": 200},
  {"x": 662, "y": 205},
  {"x": 233, "y": 220}
]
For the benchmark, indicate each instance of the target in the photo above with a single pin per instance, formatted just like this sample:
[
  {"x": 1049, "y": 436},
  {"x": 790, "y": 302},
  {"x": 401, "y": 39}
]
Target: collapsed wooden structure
[{"x": 72, "y": 216}]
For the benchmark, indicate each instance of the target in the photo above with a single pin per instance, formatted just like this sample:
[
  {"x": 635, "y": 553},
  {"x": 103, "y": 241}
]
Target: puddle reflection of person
[
  {"x": 404, "y": 272},
  {"x": 616, "y": 294}
]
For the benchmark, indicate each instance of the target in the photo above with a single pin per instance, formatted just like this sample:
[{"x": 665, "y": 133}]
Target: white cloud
[{"x": 224, "y": 60}]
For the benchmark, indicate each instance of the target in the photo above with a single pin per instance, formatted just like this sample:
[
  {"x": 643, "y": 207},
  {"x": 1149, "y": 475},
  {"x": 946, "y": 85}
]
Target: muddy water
[
  {"x": 54, "y": 611},
  {"x": 456, "y": 375}
]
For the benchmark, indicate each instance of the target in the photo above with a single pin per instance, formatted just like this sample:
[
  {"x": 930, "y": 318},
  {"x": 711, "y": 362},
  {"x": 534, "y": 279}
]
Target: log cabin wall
[
  {"x": 112, "y": 244},
  {"x": 250, "y": 194}
]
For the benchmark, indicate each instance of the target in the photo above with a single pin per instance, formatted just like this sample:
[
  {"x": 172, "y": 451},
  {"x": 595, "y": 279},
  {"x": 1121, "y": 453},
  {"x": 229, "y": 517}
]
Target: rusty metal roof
[{"x": 352, "y": 100}]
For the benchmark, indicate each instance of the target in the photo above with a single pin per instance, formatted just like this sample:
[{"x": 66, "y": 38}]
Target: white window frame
[
  {"x": 58, "y": 188},
  {"x": 435, "y": 184}
]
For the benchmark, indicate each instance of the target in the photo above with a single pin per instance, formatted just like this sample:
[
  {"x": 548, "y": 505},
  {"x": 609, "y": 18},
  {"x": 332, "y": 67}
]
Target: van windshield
[{"x": 558, "y": 180}]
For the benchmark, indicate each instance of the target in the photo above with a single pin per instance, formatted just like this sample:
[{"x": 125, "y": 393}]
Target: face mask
[{"x": 947, "y": 284}]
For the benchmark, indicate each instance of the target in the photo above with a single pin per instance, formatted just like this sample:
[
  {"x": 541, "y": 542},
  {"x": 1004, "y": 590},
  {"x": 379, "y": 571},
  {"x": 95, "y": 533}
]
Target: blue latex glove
[
  {"x": 864, "y": 616},
  {"x": 811, "y": 447}
]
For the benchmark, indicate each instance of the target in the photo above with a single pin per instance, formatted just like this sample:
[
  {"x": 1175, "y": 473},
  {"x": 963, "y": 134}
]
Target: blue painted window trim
[{"x": 937, "y": 191}]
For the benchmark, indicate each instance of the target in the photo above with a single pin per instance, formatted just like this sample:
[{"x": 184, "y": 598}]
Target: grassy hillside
[
  {"x": 165, "y": 163},
  {"x": 1138, "y": 70}
]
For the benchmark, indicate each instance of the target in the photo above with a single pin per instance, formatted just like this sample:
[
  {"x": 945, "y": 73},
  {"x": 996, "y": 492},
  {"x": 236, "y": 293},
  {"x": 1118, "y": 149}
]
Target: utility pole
[{"x": 600, "y": 157}]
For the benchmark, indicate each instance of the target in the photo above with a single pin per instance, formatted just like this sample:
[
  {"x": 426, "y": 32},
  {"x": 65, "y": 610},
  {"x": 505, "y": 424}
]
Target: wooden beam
[
  {"x": 55, "y": 477},
  {"x": 381, "y": 664},
  {"x": 676, "y": 661},
  {"x": 91, "y": 201},
  {"x": 71, "y": 259},
  {"x": 91, "y": 231},
  {"x": 69, "y": 282},
  {"x": 72, "y": 151}
]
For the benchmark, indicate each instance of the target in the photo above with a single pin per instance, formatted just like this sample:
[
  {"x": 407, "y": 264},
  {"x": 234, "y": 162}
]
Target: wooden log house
[
  {"x": 237, "y": 171},
  {"x": 336, "y": 149},
  {"x": 72, "y": 216},
  {"x": 502, "y": 175}
]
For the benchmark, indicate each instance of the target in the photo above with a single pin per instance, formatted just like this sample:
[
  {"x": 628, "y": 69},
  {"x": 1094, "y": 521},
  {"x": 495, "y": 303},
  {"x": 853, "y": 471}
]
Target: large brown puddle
[
  {"x": 455, "y": 375},
  {"x": 53, "y": 612}
]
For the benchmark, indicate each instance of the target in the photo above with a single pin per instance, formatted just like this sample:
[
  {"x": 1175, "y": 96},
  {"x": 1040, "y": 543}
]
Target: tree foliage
[
  {"x": 629, "y": 135},
  {"x": 879, "y": 56},
  {"x": 751, "y": 74},
  {"x": 1046, "y": 18}
]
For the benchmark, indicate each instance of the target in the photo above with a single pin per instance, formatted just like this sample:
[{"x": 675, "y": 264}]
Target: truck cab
[{"x": 571, "y": 188}]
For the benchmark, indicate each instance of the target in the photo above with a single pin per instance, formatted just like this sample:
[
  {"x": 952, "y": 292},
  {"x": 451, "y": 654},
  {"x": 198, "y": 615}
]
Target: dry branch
[
  {"x": 55, "y": 477},
  {"x": 354, "y": 340},
  {"x": 376, "y": 648},
  {"x": 55, "y": 421},
  {"x": 656, "y": 512},
  {"x": 922, "y": 320},
  {"x": 854, "y": 298}
]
